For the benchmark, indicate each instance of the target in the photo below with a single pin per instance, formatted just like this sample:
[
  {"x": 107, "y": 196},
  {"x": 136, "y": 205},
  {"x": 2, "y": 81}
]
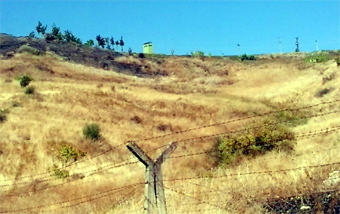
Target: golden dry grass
[{"x": 195, "y": 93}]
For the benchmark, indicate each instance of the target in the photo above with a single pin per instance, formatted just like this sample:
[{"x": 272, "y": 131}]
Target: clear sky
[{"x": 214, "y": 27}]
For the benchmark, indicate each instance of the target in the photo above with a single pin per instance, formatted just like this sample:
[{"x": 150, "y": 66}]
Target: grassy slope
[{"x": 195, "y": 93}]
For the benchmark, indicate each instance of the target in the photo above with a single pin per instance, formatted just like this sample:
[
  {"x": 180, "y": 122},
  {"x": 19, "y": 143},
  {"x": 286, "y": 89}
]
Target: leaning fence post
[{"x": 154, "y": 190}]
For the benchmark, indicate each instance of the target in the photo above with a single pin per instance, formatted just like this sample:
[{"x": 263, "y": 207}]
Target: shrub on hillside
[
  {"x": 67, "y": 152},
  {"x": 29, "y": 90},
  {"x": 141, "y": 55},
  {"x": 58, "y": 172},
  {"x": 261, "y": 137},
  {"x": 318, "y": 57},
  {"x": 30, "y": 50},
  {"x": 92, "y": 131},
  {"x": 247, "y": 57},
  {"x": 197, "y": 54},
  {"x": 25, "y": 80}
]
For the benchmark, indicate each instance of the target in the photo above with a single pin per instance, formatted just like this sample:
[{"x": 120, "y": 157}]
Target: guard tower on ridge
[{"x": 148, "y": 48}]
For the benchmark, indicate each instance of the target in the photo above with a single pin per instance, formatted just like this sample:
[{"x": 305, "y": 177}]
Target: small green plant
[
  {"x": 197, "y": 54},
  {"x": 25, "y": 80},
  {"x": 29, "y": 90},
  {"x": 247, "y": 57},
  {"x": 67, "y": 152},
  {"x": 59, "y": 173},
  {"x": 318, "y": 57},
  {"x": 259, "y": 138},
  {"x": 92, "y": 131}
]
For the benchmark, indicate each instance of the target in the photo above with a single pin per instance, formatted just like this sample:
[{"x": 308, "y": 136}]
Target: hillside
[{"x": 155, "y": 101}]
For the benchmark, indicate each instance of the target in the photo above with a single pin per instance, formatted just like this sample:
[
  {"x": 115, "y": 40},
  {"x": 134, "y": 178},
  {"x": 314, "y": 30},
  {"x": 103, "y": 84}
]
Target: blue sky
[{"x": 214, "y": 27}]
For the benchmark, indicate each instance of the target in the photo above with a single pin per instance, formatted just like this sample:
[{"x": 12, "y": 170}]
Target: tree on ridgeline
[
  {"x": 107, "y": 42},
  {"x": 69, "y": 37},
  {"x": 112, "y": 42},
  {"x": 56, "y": 32},
  {"x": 41, "y": 29},
  {"x": 89, "y": 43},
  {"x": 101, "y": 41},
  {"x": 31, "y": 35},
  {"x": 121, "y": 43},
  {"x": 117, "y": 43}
]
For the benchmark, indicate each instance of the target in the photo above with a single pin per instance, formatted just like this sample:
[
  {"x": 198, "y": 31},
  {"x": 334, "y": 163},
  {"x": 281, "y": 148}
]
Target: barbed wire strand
[
  {"x": 80, "y": 161},
  {"x": 246, "y": 129},
  {"x": 222, "y": 208},
  {"x": 235, "y": 120},
  {"x": 82, "y": 202},
  {"x": 175, "y": 133},
  {"x": 321, "y": 131},
  {"x": 210, "y": 151},
  {"x": 41, "y": 206},
  {"x": 251, "y": 173},
  {"x": 96, "y": 171},
  {"x": 205, "y": 152}
]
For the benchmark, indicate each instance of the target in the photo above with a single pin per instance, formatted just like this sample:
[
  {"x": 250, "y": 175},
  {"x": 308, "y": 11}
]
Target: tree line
[{"x": 56, "y": 34}]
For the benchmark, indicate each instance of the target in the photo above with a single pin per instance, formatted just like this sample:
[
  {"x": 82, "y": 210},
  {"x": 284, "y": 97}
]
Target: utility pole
[
  {"x": 316, "y": 44},
  {"x": 154, "y": 191},
  {"x": 297, "y": 44},
  {"x": 280, "y": 44}
]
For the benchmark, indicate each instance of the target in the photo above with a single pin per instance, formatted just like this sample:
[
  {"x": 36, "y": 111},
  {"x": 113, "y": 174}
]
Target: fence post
[{"x": 154, "y": 190}]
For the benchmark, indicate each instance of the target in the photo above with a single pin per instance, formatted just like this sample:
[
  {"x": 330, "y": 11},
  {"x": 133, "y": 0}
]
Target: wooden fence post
[{"x": 154, "y": 191}]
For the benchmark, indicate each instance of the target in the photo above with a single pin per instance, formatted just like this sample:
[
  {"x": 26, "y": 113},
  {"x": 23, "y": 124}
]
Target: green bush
[
  {"x": 258, "y": 139},
  {"x": 30, "y": 50},
  {"x": 58, "y": 172},
  {"x": 197, "y": 54},
  {"x": 141, "y": 55},
  {"x": 247, "y": 57},
  {"x": 92, "y": 131},
  {"x": 29, "y": 90},
  {"x": 318, "y": 57},
  {"x": 25, "y": 80},
  {"x": 66, "y": 152}
]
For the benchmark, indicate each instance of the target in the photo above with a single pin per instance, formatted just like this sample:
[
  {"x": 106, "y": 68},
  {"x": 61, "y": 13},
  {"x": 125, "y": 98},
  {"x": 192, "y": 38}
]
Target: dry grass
[{"x": 193, "y": 93}]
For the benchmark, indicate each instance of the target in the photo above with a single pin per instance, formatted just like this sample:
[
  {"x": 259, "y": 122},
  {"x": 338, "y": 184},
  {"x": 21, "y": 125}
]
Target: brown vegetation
[{"x": 183, "y": 93}]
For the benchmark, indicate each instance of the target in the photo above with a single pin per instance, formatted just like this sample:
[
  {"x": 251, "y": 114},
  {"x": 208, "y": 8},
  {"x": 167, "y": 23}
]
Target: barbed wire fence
[{"x": 172, "y": 189}]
